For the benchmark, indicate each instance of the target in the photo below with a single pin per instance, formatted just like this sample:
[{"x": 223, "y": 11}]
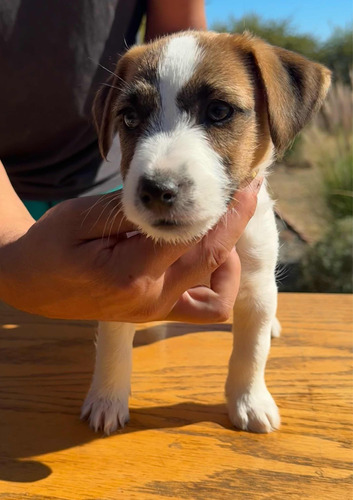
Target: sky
[{"x": 316, "y": 17}]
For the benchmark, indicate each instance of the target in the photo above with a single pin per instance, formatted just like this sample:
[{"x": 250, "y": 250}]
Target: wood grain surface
[{"x": 179, "y": 443}]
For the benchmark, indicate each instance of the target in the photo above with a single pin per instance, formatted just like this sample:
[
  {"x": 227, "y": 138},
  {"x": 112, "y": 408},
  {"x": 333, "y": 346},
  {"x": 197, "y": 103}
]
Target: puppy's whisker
[
  {"x": 281, "y": 273},
  {"x": 113, "y": 219},
  {"x": 106, "y": 69},
  {"x": 233, "y": 210},
  {"x": 111, "y": 86},
  {"x": 121, "y": 221},
  {"x": 107, "y": 224},
  {"x": 109, "y": 71},
  {"x": 89, "y": 209},
  {"x": 126, "y": 44},
  {"x": 102, "y": 212}
]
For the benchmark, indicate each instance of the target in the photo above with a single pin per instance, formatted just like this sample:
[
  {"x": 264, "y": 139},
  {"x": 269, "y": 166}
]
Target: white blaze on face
[
  {"x": 176, "y": 67},
  {"x": 181, "y": 149}
]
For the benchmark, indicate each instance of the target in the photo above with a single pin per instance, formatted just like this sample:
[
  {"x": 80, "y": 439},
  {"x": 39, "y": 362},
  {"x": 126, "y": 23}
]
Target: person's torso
[{"x": 51, "y": 58}]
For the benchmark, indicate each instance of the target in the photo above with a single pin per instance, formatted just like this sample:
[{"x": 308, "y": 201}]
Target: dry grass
[{"x": 327, "y": 145}]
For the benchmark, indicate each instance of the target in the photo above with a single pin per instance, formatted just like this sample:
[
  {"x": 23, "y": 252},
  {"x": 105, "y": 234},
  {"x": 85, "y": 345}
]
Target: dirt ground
[
  {"x": 299, "y": 201},
  {"x": 301, "y": 218}
]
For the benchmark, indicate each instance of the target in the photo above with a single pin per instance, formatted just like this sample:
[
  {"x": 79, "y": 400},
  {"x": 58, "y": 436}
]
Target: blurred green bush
[
  {"x": 328, "y": 265},
  {"x": 327, "y": 145}
]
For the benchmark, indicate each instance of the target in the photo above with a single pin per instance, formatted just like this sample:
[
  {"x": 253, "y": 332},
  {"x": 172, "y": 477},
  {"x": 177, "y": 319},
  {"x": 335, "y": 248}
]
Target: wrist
[
  {"x": 15, "y": 218},
  {"x": 11, "y": 260},
  {"x": 12, "y": 230}
]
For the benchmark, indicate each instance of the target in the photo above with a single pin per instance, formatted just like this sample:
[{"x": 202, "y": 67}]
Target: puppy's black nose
[{"x": 155, "y": 193}]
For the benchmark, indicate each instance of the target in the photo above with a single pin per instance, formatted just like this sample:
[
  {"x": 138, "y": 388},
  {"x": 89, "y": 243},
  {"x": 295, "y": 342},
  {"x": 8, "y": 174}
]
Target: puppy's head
[{"x": 197, "y": 113}]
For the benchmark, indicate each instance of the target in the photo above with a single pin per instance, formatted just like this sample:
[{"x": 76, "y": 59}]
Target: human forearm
[
  {"x": 169, "y": 16},
  {"x": 14, "y": 223}
]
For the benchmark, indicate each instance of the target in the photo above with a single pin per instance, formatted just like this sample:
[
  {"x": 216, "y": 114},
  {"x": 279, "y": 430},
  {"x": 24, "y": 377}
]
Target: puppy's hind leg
[{"x": 106, "y": 404}]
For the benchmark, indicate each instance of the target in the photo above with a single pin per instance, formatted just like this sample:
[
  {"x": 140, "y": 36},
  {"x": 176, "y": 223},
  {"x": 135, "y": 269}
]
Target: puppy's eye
[
  {"x": 131, "y": 118},
  {"x": 219, "y": 111}
]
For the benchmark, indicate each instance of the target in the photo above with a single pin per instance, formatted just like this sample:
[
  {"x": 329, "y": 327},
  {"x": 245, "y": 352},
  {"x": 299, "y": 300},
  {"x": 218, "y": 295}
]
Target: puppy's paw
[
  {"x": 276, "y": 328},
  {"x": 253, "y": 411},
  {"x": 105, "y": 413}
]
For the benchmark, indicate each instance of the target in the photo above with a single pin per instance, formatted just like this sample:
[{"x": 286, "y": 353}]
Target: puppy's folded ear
[
  {"x": 294, "y": 88},
  {"x": 102, "y": 110}
]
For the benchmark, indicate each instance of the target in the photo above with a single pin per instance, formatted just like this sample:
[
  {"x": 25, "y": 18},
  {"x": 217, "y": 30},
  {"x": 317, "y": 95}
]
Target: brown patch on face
[
  {"x": 274, "y": 93},
  {"x": 131, "y": 86},
  {"x": 226, "y": 75},
  {"x": 294, "y": 87}
]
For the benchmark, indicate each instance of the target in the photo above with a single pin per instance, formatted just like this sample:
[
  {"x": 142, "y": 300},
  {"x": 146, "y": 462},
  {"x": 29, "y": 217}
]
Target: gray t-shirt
[{"x": 50, "y": 51}]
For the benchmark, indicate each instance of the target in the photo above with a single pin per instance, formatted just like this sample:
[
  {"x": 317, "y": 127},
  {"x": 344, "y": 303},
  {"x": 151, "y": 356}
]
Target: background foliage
[
  {"x": 336, "y": 52},
  {"x": 325, "y": 146}
]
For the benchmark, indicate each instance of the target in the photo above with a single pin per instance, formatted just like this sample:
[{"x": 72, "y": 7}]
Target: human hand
[
  {"x": 214, "y": 301},
  {"x": 68, "y": 265}
]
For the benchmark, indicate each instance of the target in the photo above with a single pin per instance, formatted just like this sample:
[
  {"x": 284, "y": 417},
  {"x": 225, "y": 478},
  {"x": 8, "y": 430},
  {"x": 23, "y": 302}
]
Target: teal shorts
[{"x": 38, "y": 208}]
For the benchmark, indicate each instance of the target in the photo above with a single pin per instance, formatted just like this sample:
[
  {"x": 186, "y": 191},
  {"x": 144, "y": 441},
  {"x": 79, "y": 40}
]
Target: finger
[
  {"x": 225, "y": 280},
  {"x": 228, "y": 231},
  {"x": 147, "y": 257},
  {"x": 209, "y": 305},
  {"x": 101, "y": 218}
]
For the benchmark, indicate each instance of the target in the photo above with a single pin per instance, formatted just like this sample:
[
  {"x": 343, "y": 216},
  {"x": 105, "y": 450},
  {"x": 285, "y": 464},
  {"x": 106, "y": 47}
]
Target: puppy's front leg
[
  {"x": 250, "y": 405},
  {"x": 106, "y": 404}
]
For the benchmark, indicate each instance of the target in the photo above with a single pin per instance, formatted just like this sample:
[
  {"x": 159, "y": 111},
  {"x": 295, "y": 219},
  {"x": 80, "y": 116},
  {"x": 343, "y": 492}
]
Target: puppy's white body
[
  {"x": 250, "y": 405},
  {"x": 211, "y": 122}
]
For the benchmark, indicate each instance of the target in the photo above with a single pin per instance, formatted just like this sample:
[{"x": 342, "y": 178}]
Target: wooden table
[{"x": 179, "y": 443}]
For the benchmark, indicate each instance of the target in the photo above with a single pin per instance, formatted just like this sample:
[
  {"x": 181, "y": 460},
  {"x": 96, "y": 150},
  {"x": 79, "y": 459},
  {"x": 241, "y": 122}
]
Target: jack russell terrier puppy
[{"x": 200, "y": 114}]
